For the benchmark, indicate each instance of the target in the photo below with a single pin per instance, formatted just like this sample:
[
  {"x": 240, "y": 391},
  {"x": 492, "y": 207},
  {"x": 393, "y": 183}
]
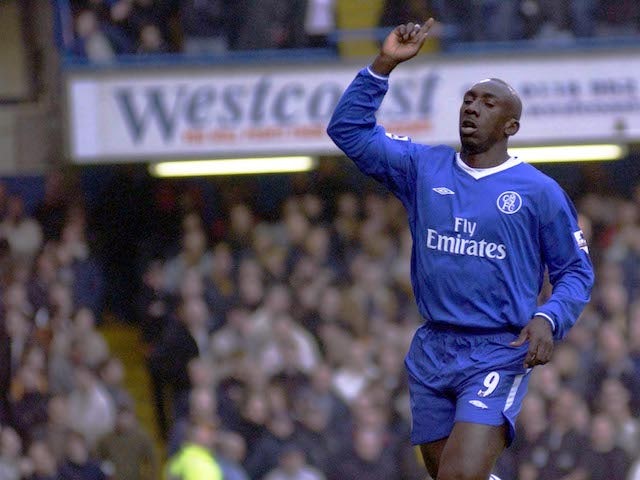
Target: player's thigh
[
  {"x": 471, "y": 451},
  {"x": 431, "y": 453}
]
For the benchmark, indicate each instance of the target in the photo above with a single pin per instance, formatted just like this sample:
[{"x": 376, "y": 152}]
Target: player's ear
[{"x": 511, "y": 128}]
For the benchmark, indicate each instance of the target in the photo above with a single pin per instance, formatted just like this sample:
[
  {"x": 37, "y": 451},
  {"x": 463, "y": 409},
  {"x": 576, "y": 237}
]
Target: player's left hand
[{"x": 540, "y": 336}]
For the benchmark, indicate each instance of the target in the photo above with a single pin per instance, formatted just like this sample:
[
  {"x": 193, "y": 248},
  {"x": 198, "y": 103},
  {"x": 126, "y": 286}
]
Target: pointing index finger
[{"x": 424, "y": 29}]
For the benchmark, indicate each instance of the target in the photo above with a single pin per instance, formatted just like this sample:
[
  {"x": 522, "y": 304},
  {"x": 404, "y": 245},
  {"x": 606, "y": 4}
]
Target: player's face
[{"x": 485, "y": 116}]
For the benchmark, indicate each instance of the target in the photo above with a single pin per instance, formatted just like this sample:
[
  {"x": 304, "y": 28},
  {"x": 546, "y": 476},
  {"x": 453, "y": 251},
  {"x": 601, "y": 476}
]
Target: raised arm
[{"x": 353, "y": 128}]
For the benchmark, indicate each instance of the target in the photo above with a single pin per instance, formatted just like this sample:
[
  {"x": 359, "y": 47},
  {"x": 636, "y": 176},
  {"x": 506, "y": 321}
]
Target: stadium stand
[
  {"x": 260, "y": 324},
  {"x": 102, "y": 29}
]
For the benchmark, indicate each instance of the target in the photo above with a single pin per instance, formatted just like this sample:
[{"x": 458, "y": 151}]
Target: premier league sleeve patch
[{"x": 581, "y": 241}]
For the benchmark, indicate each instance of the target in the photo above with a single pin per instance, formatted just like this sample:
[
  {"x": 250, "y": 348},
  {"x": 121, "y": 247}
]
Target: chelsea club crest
[{"x": 509, "y": 202}]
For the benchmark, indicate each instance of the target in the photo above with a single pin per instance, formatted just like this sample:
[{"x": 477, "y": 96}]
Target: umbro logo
[
  {"x": 402, "y": 138},
  {"x": 479, "y": 404},
  {"x": 444, "y": 191}
]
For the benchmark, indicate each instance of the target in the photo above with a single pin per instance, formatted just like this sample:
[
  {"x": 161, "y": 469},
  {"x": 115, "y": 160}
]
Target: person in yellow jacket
[{"x": 195, "y": 460}]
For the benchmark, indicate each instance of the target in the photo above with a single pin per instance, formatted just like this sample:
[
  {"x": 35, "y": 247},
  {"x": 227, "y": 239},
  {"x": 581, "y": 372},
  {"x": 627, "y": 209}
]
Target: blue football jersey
[{"x": 481, "y": 237}]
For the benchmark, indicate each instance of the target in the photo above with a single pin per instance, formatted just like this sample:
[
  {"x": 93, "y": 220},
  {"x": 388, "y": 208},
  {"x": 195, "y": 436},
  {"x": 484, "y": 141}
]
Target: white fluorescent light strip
[
  {"x": 235, "y": 166},
  {"x": 569, "y": 153}
]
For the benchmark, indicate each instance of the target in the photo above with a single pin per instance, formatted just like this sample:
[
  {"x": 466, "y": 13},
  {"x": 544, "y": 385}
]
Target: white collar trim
[{"x": 479, "y": 173}]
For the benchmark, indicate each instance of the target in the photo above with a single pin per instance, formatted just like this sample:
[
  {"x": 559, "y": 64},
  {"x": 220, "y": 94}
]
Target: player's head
[{"x": 490, "y": 113}]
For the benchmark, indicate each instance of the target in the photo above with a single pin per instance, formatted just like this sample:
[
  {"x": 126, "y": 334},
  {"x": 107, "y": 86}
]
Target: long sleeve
[
  {"x": 565, "y": 253},
  {"x": 353, "y": 128}
]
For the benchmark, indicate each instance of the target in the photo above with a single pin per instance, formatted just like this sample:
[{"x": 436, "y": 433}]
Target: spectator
[
  {"x": 614, "y": 362},
  {"x": 233, "y": 339},
  {"x": 23, "y": 233},
  {"x": 44, "y": 276},
  {"x": 30, "y": 409},
  {"x": 291, "y": 350},
  {"x": 547, "y": 20},
  {"x": 4, "y": 198},
  {"x": 614, "y": 400},
  {"x": 193, "y": 255},
  {"x": 182, "y": 341},
  {"x": 120, "y": 18},
  {"x": 92, "y": 42},
  {"x": 604, "y": 460},
  {"x": 292, "y": 466},
  {"x": 264, "y": 455},
  {"x": 527, "y": 454},
  {"x": 90, "y": 346},
  {"x": 470, "y": 19},
  {"x": 316, "y": 437},
  {"x": 320, "y": 23},
  {"x": 367, "y": 460},
  {"x": 128, "y": 450},
  {"x": 79, "y": 268},
  {"x": 202, "y": 409},
  {"x": 205, "y": 24},
  {"x": 241, "y": 222},
  {"x": 112, "y": 377},
  {"x": 320, "y": 391},
  {"x": 561, "y": 449},
  {"x": 150, "y": 41},
  {"x": 571, "y": 372},
  {"x": 56, "y": 429},
  {"x": 15, "y": 298},
  {"x": 194, "y": 461},
  {"x": 10, "y": 454},
  {"x": 93, "y": 410},
  {"x": 43, "y": 462},
  {"x": 254, "y": 417},
  {"x": 19, "y": 332},
  {"x": 51, "y": 212},
  {"x": 150, "y": 12},
  {"x": 353, "y": 377},
  {"x": 618, "y": 18},
  {"x": 273, "y": 24},
  {"x": 5, "y": 372},
  {"x": 396, "y": 12},
  {"x": 78, "y": 463},
  {"x": 219, "y": 287},
  {"x": 154, "y": 306},
  {"x": 230, "y": 454}
]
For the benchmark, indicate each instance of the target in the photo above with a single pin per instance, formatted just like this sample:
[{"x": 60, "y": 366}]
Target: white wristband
[
  {"x": 548, "y": 318},
  {"x": 377, "y": 75}
]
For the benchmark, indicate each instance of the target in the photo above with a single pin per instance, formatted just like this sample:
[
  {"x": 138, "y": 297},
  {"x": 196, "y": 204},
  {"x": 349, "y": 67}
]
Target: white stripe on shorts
[{"x": 512, "y": 393}]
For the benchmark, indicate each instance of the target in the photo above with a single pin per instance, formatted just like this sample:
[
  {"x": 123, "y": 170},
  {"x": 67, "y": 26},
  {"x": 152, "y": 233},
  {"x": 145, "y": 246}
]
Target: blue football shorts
[{"x": 458, "y": 375}]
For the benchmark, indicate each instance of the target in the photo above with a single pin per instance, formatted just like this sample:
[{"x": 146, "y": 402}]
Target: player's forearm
[
  {"x": 383, "y": 65},
  {"x": 571, "y": 293}
]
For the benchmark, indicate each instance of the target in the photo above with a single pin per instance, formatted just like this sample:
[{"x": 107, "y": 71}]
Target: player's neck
[{"x": 493, "y": 157}]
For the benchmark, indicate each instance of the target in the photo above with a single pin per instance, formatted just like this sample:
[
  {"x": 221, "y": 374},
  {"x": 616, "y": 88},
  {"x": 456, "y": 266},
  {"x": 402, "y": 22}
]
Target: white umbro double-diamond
[
  {"x": 444, "y": 191},
  {"x": 478, "y": 403}
]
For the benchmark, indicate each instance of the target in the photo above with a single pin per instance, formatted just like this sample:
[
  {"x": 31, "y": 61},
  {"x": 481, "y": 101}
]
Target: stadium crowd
[
  {"x": 297, "y": 328},
  {"x": 64, "y": 413},
  {"x": 106, "y": 28},
  {"x": 275, "y": 343}
]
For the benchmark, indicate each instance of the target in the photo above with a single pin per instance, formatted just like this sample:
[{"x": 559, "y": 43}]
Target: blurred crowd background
[
  {"x": 272, "y": 314},
  {"x": 273, "y": 333},
  {"x": 106, "y": 28}
]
